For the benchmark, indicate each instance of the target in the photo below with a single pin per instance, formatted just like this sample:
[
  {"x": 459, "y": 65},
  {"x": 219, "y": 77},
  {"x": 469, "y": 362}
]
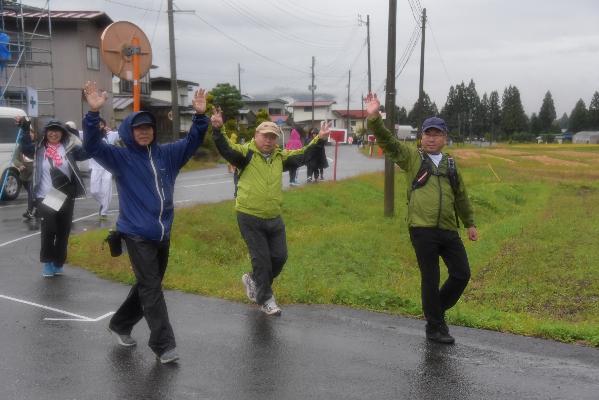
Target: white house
[{"x": 302, "y": 112}]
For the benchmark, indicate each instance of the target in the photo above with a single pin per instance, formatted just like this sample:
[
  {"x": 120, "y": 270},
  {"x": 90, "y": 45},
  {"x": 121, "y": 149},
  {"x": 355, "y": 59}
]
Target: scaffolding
[{"x": 30, "y": 32}]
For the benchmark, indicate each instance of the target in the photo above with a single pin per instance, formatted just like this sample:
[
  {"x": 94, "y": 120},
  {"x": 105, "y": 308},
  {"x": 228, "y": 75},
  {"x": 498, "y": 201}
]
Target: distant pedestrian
[
  {"x": 315, "y": 160},
  {"x": 145, "y": 174},
  {"x": 56, "y": 183},
  {"x": 294, "y": 143},
  {"x": 261, "y": 163},
  {"x": 100, "y": 183},
  {"x": 24, "y": 163},
  {"x": 436, "y": 198}
]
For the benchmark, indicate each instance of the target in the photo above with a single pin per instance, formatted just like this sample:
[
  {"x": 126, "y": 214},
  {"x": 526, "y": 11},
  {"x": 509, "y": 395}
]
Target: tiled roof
[
  {"x": 55, "y": 14},
  {"x": 318, "y": 103},
  {"x": 356, "y": 114}
]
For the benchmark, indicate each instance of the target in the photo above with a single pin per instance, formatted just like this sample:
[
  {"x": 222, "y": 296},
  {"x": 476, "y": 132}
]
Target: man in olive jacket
[
  {"x": 258, "y": 203},
  {"x": 436, "y": 198}
]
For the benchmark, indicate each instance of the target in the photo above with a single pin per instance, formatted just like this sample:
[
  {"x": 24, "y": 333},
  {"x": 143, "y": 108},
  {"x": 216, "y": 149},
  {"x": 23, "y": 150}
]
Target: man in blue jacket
[{"x": 145, "y": 174}]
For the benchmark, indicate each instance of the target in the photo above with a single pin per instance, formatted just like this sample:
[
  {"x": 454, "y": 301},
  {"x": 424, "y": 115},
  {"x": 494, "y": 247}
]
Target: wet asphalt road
[{"x": 232, "y": 351}]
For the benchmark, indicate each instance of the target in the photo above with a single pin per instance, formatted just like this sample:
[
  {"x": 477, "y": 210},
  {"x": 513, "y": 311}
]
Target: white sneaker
[
  {"x": 250, "y": 287},
  {"x": 270, "y": 307}
]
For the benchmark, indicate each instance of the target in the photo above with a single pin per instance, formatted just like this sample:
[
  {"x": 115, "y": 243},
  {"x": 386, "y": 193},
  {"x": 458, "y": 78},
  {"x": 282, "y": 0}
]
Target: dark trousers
[
  {"x": 55, "y": 227},
  {"x": 267, "y": 243},
  {"x": 292, "y": 175},
  {"x": 429, "y": 244},
  {"x": 28, "y": 185},
  {"x": 313, "y": 172},
  {"x": 149, "y": 260}
]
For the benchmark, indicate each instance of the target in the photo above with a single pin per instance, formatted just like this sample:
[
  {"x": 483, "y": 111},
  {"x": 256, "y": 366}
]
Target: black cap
[
  {"x": 143, "y": 118},
  {"x": 55, "y": 124}
]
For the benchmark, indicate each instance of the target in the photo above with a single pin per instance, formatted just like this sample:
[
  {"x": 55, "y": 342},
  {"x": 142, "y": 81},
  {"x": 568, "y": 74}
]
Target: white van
[{"x": 9, "y": 177}]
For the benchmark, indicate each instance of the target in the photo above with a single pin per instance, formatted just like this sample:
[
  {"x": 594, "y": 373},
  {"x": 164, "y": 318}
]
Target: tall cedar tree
[
  {"x": 579, "y": 117},
  {"x": 547, "y": 113}
]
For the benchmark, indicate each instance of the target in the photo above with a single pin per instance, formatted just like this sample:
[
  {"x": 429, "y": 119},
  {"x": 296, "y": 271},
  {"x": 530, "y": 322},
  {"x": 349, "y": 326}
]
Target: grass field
[{"x": 535, "y": 269}]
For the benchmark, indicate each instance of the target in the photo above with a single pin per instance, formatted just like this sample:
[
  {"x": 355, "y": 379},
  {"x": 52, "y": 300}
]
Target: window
[
  {"x": 93, "y": 57},
  {"x": 352, "y": 123},
  {"x": 308, "y": 109}
]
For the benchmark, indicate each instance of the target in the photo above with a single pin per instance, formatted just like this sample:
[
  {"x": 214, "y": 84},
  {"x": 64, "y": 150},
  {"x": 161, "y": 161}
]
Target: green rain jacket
[
  {"x": 433, "y": 205},
  {"x": 260, "y": 189}
]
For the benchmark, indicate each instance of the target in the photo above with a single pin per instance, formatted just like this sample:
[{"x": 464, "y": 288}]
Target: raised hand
[
  {"x": 95, "y": 98},
  {"x": 372, "y": 105},
  {"x": 325, "y": 129},
  {"x": 199, "y": 101},
  {"x": 217, "y": 118}
]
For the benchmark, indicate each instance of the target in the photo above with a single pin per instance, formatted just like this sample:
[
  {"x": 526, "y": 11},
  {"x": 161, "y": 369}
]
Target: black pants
[
  {"x": 313, "y": 172},
  {"x": 429, "y": 244},
  {"x": 149, "y": 260},
  {"x": 267, "y": 244},
  {"x": 292, "y": 175},
  {"x": 55, "y": 229}
]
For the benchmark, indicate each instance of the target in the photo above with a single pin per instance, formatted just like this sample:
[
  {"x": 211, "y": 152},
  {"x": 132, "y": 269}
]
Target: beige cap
[{"x": 268, "y": 127}]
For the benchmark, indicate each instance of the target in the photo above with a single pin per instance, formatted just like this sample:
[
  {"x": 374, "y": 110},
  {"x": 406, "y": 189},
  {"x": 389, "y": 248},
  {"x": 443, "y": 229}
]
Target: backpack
[{"x": 426, "y": 170}]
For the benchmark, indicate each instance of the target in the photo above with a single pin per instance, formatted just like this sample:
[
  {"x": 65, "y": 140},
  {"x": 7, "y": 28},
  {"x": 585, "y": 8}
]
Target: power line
[
  {"x": 308, "y": 20},
  {"x": 415, "y": 11},
  {"x": 245, "y": 12},
  {"x": 156, "y": 21},
  {"x": 132, "y": 6},
  {"x": 318, "y": 14},
  {"x": 428, "y": 22},
  {"x": 247, "y": 47}
]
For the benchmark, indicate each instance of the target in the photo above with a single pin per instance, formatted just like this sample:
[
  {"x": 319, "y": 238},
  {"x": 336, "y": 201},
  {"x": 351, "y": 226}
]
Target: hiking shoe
[
  {"x": 123, "y": 340},
  {"x": 168, "y": 356},
  {"x": 250, "y": 287},
  {"x": 58, "y": 270},
  {"x": 48, "y": 270},
  {"x": 270, "y": 307},
  {"x": 103, "y": 217},
  {"x": 28, "y": 215},
  {"x": 440, "y": 336}
]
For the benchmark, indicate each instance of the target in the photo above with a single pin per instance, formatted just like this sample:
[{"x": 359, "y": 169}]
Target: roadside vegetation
[{"x": 535, "y": 269}]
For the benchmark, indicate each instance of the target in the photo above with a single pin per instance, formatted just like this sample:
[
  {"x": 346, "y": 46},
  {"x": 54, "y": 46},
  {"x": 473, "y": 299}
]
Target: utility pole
[
  {"x": 367, "y": 22},
  {"x": 421, "y": 87},
  {"x": 239, "y": 77},
  {"x": 173, "y": 61},
  {"x": 312, "y": 88},
  {"x": 348, "y": 117},
  {"x": 390, "y": 108}
]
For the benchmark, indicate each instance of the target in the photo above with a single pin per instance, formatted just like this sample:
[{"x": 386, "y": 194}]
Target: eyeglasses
[{"x": 435, "y": 134}]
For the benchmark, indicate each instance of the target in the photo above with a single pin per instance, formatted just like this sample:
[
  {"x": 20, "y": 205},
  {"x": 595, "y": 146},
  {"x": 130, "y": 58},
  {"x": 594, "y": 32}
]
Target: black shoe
[
  {"x": 28, "y": 214},
  {"x": 440, "y": 336}
]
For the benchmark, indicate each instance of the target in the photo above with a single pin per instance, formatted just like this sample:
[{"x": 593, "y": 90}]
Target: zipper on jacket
[
  {"x": 160, "y": 194},
  {"x": 440, "y": 200}
]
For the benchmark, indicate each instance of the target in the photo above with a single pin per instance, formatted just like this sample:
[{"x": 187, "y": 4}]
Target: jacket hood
[
  {"x": 126, "y": 130},
  {"x": 294, "y": 142}
]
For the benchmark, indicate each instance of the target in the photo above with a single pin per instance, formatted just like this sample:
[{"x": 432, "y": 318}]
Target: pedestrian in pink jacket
[{"x": 294, "y": 143}]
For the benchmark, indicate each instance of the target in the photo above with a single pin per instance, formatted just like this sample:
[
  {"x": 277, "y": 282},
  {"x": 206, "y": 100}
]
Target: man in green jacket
[
  {"x": 436, "y": 198},
  {"x": 258, "y": 203}
]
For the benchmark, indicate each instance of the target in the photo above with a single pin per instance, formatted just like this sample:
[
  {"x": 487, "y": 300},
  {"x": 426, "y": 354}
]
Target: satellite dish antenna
[{"x": 127, "y": 52}]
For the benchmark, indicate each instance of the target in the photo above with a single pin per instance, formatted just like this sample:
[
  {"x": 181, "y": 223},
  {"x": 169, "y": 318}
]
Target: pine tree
[
  {"x": 593, "y": 122},
  {"x": 513, "y": 118},
  {"x": 547, "y": 113},
  {"x": 494, "y": 114},
  {"x": 579, "y": 117},
  {"x": 563, "y": 121}
]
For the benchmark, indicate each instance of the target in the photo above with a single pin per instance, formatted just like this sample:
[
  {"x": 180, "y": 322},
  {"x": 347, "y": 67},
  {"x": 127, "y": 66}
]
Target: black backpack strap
[
  {"x": 248, "y": 158},
  {"x": 423, "y": 173}
]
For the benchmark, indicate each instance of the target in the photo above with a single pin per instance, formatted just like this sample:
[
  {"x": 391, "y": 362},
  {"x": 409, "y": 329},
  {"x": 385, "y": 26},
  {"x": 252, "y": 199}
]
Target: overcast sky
[{"x": 537, "y": 45}]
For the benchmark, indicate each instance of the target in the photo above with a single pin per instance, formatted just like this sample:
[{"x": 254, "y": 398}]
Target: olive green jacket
[
  {"x": 260, "y": 189},
  {"x": 434, "y": 204}
]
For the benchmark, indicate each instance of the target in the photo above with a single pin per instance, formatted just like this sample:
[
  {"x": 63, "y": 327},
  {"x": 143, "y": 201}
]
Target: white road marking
[
  {"x": 206, "y": 184},
  {"x": 79, "y": 318},
  {"x": 37, "y": 233}
]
